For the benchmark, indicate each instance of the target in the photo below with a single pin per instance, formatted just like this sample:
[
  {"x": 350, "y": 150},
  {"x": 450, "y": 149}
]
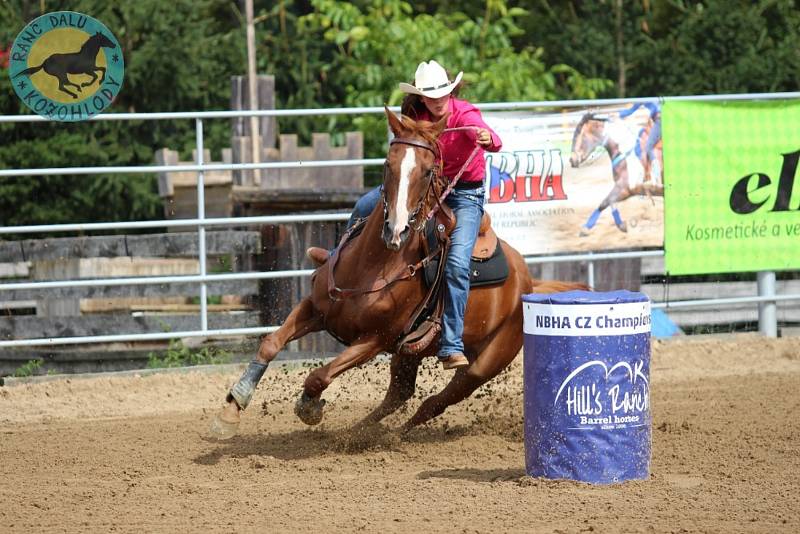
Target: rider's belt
[{"x": 469, "y": 185}]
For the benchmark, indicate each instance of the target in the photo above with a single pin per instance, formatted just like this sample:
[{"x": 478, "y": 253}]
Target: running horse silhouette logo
[
  {"x": 80, "y": 62},
  {"x": 66, "y": 66}
]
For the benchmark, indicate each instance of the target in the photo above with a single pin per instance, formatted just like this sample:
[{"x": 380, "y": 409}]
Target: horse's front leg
[
  {"x": 302, "y": 320},
  {"x": 309, "y": 406}
]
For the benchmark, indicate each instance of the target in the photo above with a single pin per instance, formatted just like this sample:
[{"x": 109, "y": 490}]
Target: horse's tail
[
  {"x": 30, "y": 70},
  {"x": 555, "y": 286}
]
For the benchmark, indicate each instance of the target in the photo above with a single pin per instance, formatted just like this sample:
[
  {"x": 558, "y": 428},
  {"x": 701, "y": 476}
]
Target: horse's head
[
  {"x": 101, "y": 40},
  {"x": 409, "y": 172},
  {"x": 589, "y": 134}
]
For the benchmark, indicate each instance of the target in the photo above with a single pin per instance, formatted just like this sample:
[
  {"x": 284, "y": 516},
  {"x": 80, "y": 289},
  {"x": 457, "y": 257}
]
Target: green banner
[{"x": 730, "y": 203}]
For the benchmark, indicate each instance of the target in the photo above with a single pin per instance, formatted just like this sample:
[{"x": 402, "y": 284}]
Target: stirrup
[{"x": 317, "y": 255}]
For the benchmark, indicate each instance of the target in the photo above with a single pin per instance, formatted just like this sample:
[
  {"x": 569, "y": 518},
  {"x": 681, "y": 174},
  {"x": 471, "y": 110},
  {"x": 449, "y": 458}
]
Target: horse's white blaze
[{"x": 399, "y": 222}]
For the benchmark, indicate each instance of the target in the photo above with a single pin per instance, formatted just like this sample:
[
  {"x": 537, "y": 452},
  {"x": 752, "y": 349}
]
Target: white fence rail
[{"x": 765, "y": 298}]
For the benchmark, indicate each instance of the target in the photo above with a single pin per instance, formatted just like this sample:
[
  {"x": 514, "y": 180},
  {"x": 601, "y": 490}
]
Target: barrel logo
[{"x": 596, "y": 395}]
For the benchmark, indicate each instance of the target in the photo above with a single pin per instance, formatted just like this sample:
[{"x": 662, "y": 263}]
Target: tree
[
  {"x": 672, "y": 47},
  {"x": 719, "y": 46},
  {"x": 180, "y": 55},
  {"x": 379, "y": 43}
]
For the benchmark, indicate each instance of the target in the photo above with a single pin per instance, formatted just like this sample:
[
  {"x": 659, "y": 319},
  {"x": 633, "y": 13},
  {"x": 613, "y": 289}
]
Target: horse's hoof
[
  {"x": 221, "y": 429},
  {"x": 623, "y": 227},
  {"x": 309, "y": 409}
]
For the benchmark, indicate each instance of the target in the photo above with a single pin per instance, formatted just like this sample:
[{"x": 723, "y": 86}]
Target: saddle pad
[{"x": 483, "y": 272}]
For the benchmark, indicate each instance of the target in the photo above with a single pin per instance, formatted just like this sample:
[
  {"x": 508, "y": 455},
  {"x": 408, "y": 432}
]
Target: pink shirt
[{"x": 457, "y": 146}]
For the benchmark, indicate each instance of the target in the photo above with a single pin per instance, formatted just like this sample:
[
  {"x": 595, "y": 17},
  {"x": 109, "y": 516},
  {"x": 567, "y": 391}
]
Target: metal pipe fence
[{"x": 766, "y": 297}]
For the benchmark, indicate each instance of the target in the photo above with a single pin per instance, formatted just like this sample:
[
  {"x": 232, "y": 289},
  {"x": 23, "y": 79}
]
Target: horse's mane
[{"x": 421, "y": 128}]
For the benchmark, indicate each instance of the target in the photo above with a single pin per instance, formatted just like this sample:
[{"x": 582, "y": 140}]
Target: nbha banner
[
  {"x": 731, "y": 200},
  {"x": 577, "y": 180}
]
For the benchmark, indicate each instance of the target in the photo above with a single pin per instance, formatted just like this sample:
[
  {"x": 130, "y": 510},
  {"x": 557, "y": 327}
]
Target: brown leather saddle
[{"x": 488, "y": 265}]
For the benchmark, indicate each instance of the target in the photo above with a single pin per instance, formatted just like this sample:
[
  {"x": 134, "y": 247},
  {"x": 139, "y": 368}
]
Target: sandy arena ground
[{"x": 131, "y": 454}]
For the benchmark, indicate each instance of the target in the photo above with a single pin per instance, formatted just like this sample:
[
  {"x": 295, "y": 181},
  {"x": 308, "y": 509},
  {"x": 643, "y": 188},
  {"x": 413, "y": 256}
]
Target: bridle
[
  {"x": 431, "y": 174},
  {"x": 579, "y": 130}
]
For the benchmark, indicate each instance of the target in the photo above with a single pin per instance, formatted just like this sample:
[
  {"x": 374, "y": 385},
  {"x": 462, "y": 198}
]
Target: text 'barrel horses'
[{"x": 366, "y": 293}]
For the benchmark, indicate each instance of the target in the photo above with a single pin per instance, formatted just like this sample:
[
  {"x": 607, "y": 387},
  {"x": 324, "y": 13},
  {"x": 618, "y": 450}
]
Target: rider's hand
[{"x": 483, "y": 137}]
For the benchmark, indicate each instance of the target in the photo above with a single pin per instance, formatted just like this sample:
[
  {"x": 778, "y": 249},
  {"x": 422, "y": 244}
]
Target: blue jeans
[
  {"x": 467, "y": 205},
  {"x": 653, "y": 139},
  {"x": 365, "y": 205}
]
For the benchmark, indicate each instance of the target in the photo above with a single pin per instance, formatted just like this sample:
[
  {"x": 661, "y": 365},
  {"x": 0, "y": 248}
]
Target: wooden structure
[
  {"x": 101, "y": 310},
  {"x": 178, "y": 190},
  {"x": 275, "y": 192}
]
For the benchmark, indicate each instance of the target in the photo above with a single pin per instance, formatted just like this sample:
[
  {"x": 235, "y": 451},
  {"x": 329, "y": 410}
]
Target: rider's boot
[
  {"x": 454, "y": 361},
  {"x": 317, "y": 255}
]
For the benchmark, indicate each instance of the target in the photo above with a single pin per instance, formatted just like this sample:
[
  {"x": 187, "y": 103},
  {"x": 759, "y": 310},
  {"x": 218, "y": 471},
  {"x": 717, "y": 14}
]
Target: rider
[
  {"x": 652, "y": 164},
  {"x": 431, "y": 97}
]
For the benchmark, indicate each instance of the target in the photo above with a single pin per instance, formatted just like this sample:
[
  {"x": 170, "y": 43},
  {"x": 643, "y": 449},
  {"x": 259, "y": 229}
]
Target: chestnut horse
[
  {"x": 382, "y": 289},
  {"x": 594, "y": 131}
]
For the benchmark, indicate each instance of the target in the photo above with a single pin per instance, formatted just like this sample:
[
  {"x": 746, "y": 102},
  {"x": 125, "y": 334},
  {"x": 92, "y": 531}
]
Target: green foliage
[
  {"x": 178, "y": 355},
  {"x": 672, "y": 47},
  {"x": 180, "y": 55},
  {"x": 719, "y": 46},
  {"x": 28, "y": 369},
  {"x": 380, "y": 43}
]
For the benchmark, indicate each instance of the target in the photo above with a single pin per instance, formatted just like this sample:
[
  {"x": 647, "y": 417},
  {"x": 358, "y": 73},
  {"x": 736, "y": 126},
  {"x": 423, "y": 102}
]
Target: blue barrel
[{"x": 587, "y": 386}]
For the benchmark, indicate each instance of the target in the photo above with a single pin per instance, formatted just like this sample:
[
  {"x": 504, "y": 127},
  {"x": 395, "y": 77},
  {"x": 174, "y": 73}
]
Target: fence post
[
  {"x": 201, "y": 229},
  {"x": 767, "y": 311}
]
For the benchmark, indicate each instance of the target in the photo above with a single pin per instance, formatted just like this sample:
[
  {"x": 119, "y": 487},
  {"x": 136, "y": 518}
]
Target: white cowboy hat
[{"x": 431, "y": 80}]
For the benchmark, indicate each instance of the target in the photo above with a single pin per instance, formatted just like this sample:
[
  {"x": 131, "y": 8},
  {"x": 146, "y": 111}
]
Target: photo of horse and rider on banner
[{"x": 585, "y": 179}]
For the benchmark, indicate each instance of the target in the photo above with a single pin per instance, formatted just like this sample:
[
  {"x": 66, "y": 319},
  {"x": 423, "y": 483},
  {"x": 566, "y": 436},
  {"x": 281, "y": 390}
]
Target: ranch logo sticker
[{"x": 66, "y": 66}]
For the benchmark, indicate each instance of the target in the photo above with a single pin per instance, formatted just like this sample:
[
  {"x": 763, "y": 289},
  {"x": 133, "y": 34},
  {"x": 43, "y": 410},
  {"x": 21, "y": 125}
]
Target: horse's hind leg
[
  {"x": 494, "y": 358},
  {"x": 402, "y": 384},
  {"x": 302, "y": 320}
]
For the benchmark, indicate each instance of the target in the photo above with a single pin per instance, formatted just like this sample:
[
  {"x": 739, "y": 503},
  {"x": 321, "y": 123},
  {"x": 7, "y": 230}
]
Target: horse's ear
[
  {"x": 395, "y": 124},
  {"x": 440, "y": 125}
]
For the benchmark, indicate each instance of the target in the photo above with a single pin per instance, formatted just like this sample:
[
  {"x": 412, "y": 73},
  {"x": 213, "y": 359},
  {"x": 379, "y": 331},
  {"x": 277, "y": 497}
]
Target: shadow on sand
[{"x": 311, "y": 443}]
